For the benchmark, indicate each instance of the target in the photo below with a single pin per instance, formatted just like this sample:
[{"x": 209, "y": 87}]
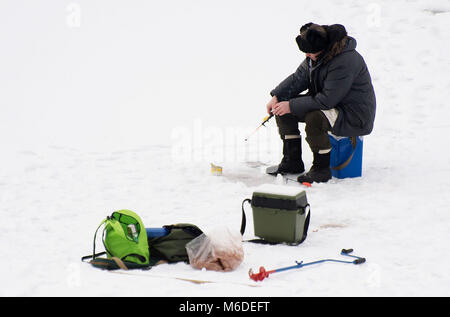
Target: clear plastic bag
[{"x": 220, "y": 250}]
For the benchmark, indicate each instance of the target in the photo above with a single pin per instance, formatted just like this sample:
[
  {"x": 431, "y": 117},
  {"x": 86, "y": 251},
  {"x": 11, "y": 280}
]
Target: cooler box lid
[{"x": 279, "y": 197}]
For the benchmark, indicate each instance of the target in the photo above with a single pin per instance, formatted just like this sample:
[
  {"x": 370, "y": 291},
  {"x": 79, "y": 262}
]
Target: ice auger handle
[{"x": 359, "y": 261}]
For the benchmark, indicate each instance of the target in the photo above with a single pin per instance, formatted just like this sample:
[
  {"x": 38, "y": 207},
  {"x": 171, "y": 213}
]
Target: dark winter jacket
[{"x": 342, "y": 82}]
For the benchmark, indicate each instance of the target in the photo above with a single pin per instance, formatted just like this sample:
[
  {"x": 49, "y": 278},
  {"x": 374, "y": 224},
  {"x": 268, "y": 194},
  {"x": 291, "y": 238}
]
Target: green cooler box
[{"x": 280, "y": 213}]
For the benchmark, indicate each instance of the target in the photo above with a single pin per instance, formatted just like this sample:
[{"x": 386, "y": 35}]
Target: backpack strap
[
  {"x": 115, "y": 263},
  {"x": 119, "y": 263},
  {"x": 94, "y": 255}
]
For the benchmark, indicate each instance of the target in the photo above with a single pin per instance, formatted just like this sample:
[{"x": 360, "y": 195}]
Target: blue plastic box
[
  {"x": 156, "y": 232},
  {"x": 342, "y": 150}
]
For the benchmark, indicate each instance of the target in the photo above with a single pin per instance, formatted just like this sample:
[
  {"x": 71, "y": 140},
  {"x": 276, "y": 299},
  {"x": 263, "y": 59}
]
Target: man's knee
[
  {"x": 316, "y": 121},
  {"x": 316, "y": 129},
  {"x": 287, "y": 125}
]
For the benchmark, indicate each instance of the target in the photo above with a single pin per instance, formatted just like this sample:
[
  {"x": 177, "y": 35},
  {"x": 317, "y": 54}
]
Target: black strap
[
  {"x": 115, "y": 264},
  {"x": 92, "y": 256},
  {"x": 244, "y": 220},
  {"x": 306, "y": 226},
  {"x": 244, "y": 224}
]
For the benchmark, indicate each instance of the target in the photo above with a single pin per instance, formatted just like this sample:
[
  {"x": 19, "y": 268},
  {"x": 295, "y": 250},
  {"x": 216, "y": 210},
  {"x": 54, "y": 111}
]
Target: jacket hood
[
  {"x": 346, "y": 44},
  {"x": 350, "y": 45}
]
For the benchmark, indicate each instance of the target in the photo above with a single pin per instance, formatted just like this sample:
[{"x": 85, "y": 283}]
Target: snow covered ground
[{"x": 108, "y": 105}]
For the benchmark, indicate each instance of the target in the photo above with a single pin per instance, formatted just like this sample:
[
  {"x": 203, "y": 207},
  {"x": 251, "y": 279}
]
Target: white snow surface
[{"x": 109, "y": 105}]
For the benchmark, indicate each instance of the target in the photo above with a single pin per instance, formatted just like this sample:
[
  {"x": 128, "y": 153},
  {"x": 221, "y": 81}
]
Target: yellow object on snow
[{"x": 216, "y": 170}]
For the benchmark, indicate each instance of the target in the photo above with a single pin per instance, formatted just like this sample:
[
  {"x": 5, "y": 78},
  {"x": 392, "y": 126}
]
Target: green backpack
[{"x": 125, "y": 241}]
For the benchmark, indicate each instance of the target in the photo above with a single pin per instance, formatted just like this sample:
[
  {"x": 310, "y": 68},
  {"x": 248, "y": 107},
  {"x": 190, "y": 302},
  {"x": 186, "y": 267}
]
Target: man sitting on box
[{"x": 340, "y": 99}]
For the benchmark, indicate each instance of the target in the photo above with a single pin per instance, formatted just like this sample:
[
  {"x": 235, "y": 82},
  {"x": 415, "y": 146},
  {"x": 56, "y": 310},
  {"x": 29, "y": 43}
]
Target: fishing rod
[{"x": 265, "y": 120}]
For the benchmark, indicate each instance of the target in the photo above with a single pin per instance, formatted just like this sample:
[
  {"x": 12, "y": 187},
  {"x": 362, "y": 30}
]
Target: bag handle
[
  {"x": 306, "y": 226},
  {"x": 244, "y": 220}
]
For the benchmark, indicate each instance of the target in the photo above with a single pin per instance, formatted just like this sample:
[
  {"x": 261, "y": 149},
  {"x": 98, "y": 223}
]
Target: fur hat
[{"x": 314, "y": 38}]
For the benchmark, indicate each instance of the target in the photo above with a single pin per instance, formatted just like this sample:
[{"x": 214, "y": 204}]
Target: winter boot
[
  {"x": 320, "y": 171},
  {"x": 292, "y": 162}
]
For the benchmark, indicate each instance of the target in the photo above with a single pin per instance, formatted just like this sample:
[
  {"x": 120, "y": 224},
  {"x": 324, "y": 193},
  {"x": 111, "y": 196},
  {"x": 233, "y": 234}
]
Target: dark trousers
[{"x": 316, "y": 128}]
